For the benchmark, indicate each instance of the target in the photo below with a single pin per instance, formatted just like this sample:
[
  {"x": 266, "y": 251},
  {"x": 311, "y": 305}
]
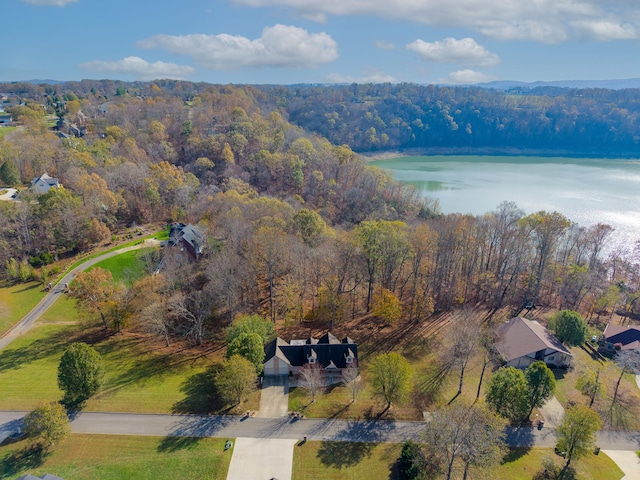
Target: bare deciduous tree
[
  {"x": 465, "y": 342},
  {"x": 352, "y": 380},
  {"x": 311, "y": 380}
]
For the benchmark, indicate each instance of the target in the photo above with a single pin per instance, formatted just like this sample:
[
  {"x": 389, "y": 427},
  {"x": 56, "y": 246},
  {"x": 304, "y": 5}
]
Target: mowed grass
[
  {"x": 109, "y": 457},
  {"x": 522, "y": 463},
  {"x": 126, "y": 267},
  {"x": 345, "y": 461},
  {"x": 16, "y": 301},
  {"x": 141, "y": 374}
]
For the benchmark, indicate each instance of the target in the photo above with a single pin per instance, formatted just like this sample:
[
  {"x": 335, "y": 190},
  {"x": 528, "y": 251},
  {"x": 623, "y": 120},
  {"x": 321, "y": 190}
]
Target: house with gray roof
[
  {"x": 522, "y": 342},
  {"x": 329, "y": 353},
  {"x": 188, "y": 237},
  {"x": 44, "y": 183}
]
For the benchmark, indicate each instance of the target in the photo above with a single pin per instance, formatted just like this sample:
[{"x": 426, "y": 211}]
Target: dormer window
[{"x": 312, "y": 357}]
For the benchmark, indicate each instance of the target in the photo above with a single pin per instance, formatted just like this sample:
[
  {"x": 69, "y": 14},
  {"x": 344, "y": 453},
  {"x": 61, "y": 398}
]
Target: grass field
[
  {"x": 16, "y": 301},
  {"x": 141, "y": 375},
  {"x": 346, "y": 461},
  {"x": 6, "y": 130},
  {"x": 109, "y": 457},
  {"x": 523, "y": 464},
  {"x": 126, "y": 267}
]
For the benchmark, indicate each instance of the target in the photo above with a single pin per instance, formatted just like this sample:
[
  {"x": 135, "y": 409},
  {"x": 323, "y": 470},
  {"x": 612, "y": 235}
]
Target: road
[
  {"x": 30, "y": 318},
  {"x": 227, "y": 426}
]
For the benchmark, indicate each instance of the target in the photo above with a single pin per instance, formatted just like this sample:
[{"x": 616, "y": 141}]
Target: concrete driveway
[
  {"x": 261, "y": 459},
  {"x": 553, "y": 413},
  {"x": 274, "y": 398},
  {"x": 8, "y": 194},
  {"x": 628, "y": 462}
]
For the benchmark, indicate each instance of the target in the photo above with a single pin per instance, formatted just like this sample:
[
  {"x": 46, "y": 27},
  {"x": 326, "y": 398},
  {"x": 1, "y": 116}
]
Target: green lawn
[
  {"x": 5, "y": 130},
  {"x": 16, "y": 301},
  {"x": 141, "y": 375},
  {"x": 344, "y": 461},
  {"x": 108, "y": 457},
  {"x": 127, "y": 267},
  {"x": 525, "y": 463}
]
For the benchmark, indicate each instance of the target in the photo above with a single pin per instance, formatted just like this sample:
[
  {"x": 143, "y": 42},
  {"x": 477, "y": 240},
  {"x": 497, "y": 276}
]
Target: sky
[{"x": 320, "y": 41}]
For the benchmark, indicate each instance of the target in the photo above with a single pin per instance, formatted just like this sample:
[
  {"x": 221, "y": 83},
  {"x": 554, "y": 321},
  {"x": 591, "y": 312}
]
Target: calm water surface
[{"x": 587, "y": 191}]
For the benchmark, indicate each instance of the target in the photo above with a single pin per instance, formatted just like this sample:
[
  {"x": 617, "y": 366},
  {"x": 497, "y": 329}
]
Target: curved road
[{"x": 30, "y": 318}]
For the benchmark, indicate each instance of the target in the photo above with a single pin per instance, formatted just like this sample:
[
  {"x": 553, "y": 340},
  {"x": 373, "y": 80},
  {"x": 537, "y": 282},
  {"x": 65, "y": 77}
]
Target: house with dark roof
[
  {"x": 44, "y": 183},
  {"x": 188, "y": 237},
  {"x": 522, "y": 342},
  {"x": 616, "y": 337},
  {"x": 328, "y": 352}
]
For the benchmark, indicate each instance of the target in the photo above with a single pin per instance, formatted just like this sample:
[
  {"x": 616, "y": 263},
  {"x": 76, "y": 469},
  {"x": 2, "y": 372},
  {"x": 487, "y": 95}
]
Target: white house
[{"x": 43, "y": 184}]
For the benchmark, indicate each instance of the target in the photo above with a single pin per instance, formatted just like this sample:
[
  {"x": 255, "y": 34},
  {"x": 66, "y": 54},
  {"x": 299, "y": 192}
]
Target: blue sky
[{"x": 320, "y": 41}]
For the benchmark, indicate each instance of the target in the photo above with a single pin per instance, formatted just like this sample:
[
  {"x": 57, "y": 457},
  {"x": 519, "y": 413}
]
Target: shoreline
[{"x": 507, "y": 152}]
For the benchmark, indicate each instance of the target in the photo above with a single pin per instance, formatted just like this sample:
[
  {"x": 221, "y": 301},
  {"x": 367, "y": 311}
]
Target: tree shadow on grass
[
  {"x": 12, "y": 358},
  {"x": 28, "y": 458},
  {"x": 200, "y": 394},
  {"x": 343, "y": 454},
  {"x": 515, "y": 453},
  {"x": 174, "y": 444}
]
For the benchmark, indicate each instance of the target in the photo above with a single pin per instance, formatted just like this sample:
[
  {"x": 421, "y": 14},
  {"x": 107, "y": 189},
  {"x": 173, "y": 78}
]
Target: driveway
[
  {"x": 628, "y": 462},
  {"x": 8, "y": 194},
  {"x": 261, "y": 459},
  {"x": 274, "y": 397},
  {"x": 553, "y": 413}
]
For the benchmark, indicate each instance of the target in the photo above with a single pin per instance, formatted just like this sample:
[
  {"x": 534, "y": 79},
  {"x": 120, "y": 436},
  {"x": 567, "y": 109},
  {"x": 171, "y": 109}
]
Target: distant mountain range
[{"x": 616, "y": 84}]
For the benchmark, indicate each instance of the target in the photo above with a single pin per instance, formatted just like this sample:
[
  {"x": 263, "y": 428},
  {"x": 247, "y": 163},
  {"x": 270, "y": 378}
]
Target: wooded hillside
[{"x": 299, "y": 227}]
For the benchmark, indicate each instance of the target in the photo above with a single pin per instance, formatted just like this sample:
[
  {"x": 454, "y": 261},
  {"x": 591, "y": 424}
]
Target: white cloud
[
  {"x": 382, "y": 45},
  {"x": 545, "y": 21},
  {"x": 464, "y": 51},
  {"x": 368, "y": 77},
  {"x": 54, "y": 3},
  {"x": 466, "y": 77},
  {"x": 140, "y": 69},
  {"x": 605, "y": 30},
  {"x": 279, "y": 46}
]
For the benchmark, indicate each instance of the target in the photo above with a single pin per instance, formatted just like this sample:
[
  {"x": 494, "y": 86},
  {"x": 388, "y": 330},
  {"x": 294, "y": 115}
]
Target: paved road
[
  {"x": 30, "y": 318},
  {"x": 284, "y": 428}
]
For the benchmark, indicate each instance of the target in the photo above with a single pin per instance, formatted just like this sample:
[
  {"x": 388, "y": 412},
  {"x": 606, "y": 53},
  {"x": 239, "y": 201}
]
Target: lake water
[{"x": 587, "y": 191}]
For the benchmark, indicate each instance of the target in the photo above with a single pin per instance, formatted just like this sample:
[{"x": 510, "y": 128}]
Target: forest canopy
[{"x": 298, "y": 226}]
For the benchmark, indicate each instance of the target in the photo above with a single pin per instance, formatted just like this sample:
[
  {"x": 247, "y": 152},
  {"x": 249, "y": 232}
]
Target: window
[
  {"x": 312, "y": 360},
  {"x": 551, "y": 358},
  {"x": 349, "y": 359}
]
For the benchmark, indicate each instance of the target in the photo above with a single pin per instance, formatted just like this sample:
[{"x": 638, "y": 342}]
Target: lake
[{"x": 587, "y": 191}]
